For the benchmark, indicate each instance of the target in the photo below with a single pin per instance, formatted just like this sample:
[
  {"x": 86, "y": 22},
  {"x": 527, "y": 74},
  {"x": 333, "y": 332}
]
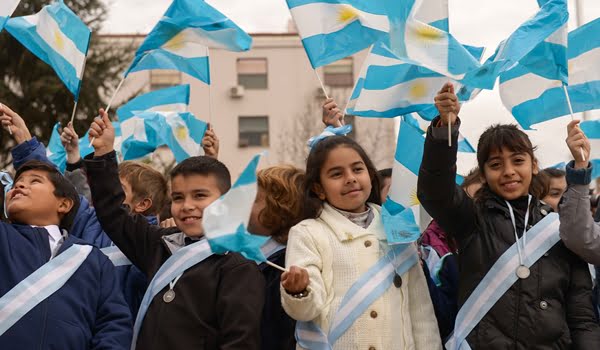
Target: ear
[
  {"x": 143, "y": 205},
  {"x": 536, "y": 168},
  {"x": 318, "y": 190},
  {"x": 65, "y": 205}
]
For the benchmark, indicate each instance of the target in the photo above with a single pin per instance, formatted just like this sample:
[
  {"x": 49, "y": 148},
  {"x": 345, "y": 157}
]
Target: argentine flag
[
  {"x": 225, "y": 220},
  {"x": 333, "y": 29},
  {"x": 58, "y": 37},
  {"x": 171, "y": 99},
  {"x": 533, "y": 98},
  {"x": 182, "y": 133},
  {"x": 591, "y": 129},
  {"x": 7, "y": 7},
  {"x": 140, "y": 135},
  {"x": 439, "y": 51},
  {"x": 183, "y": 36}
]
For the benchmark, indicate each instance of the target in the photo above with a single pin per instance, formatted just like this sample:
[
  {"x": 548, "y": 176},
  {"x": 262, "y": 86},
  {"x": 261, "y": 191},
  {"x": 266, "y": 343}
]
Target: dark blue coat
[
  {"x": 88, "y": 312},
  {"x": 86, "y": 227}
]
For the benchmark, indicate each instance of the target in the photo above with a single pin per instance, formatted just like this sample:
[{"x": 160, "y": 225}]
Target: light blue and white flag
[
  {"x": 58, "y": 37},
  {"x": 183, "y": 36},
  {"x": 225, "y": 220},
  {"x": 182, "y": 133},
  {"x": 439, "y": 51},
  {"x": 400, "y": 211},
  {"x": 333, "y": 29},
  {"x": 466, "y": 158},
  {"x": 7, "y": 7},
  {"x": 140, "y": 135},
  {"x": 533, "y": 98},
  {"x": 591, "y": 128},
  {"x": 171, "y": 99},
  {"x": 329, "y": 131}
]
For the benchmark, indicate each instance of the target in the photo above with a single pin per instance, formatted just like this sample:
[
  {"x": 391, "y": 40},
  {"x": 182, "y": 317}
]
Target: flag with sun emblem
[
  {"x": 436, "y": 49},
  {"x": 171, "y": 99},
  {"x": 333, "y": 29},
  {"x": 225, "y": 221},
  {"x": 7, "y": 7},
  {"x": 59, "y": 38},
  {"x": 183, "y": 36}
]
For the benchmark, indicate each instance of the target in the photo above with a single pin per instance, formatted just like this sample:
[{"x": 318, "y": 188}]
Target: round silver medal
[
  {"x": 523, "y": 272},
  {"x": 169, "y": 296}
]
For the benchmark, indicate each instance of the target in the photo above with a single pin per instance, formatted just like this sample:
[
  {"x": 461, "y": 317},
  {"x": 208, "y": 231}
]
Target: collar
[
  {"x": 53, "y": 232},
  {"x": 346, "y": 230},
  {"x": 176, "y": 241}
]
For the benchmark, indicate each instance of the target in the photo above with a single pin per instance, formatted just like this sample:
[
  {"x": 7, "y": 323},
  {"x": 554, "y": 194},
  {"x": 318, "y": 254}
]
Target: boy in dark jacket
[
  {"x": 214, "y": 304},
  {"x": 87, "y": 311}
]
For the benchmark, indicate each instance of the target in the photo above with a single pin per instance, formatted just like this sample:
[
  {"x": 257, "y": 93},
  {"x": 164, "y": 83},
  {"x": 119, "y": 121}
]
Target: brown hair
[
  {"x": 145, "y": 182},
  {"x": 317, "y": 157},
  {"x": 508, "y": 136},
  {"x": 283, "y": 199}
]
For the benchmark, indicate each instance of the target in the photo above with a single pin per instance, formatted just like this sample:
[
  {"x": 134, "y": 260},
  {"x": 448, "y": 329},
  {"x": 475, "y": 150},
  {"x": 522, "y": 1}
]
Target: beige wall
[{"x": 291, "y": 102}]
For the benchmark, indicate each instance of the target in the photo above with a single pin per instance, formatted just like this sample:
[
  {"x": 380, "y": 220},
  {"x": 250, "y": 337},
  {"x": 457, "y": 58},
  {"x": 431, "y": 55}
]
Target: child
[
  {"x": 557, "y": 185},
  {"x": 87, "y": 311},
  {"x": 277, "y": 208},
  {"x": 341, "y": 240},
  {"x": 532, "y": 304},
  {"x": 216, "y": 303}
]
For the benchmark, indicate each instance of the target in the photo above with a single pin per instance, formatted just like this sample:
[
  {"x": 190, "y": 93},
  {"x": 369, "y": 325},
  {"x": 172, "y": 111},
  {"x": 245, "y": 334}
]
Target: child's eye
[
  {"x": 336, "y": 174},
  {"x": 358, "y": 169},
  {"x": 519, "y": 160},
  {"x": 494, "y": 165},
  {"x": 199, "y": 196},
  {"x": 176, "y": 198}
]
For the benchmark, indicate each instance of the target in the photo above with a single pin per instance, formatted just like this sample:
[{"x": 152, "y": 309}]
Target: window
[
  {"x": 340, "y": 73},
  {"x": 252, "y": 73},
  {"x": 254, "y": 131},
  {"x": 160, "y": 79}
]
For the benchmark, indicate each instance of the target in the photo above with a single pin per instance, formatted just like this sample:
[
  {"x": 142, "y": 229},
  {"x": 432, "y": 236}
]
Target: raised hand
[
  {"x": 102, "y": 134},
  {"x": 447, "y": 104},
  {"x": 14, "y": 124},
  {"x": 70, "y": 142},
  {"x": 332, "y": 115},
  {"x": 578, "y": 144},
  {"x": 295, "y": 280},
  {"x": 210, "y": 143}
]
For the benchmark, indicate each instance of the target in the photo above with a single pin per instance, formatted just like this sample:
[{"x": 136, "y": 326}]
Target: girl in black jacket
[{"x": 549, "y": 306}]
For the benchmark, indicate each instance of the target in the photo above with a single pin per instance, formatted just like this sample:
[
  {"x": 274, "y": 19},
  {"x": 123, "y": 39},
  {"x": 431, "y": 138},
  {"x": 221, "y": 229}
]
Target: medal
[
  {"x": 169, "y": 296},
  {"x": 522, "y": 272}
]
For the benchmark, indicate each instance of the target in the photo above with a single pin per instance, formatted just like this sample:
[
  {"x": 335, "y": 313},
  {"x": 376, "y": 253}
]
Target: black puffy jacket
[{"x": 552, "y": 309}]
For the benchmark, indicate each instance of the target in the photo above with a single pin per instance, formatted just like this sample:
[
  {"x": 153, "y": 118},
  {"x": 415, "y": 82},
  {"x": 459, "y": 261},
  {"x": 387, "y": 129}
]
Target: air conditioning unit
[{"x": 236, "y": 91}]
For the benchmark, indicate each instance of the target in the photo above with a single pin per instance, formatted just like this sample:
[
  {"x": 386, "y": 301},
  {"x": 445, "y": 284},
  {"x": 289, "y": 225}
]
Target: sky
[{"x": 475, "y": 22}]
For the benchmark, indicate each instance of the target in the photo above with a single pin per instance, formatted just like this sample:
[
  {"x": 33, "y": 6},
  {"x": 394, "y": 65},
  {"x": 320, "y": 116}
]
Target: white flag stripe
[
  {"x": 173, "y": 107},
  {"x": 524, "y": 88},
  {"x": 405, "y": 185},
  {"x": 238, "y": 203},
  {"x": 50, "y": 32},
  {"x": 322, "y": 18},
  {"x": 465, "y": 162},
  {"x": 188, "y": 44},
  {"x": 135, "y": 127},
  {"x": 431, "y": 11},
  {"x": 181, "y": 133},
  {"x": 579, "y": 67},
  {"x": 559, "y": 37}
]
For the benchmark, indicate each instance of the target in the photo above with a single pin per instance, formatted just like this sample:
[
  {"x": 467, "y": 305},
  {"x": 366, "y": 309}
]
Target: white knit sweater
[{"x": 336, "y": 252}]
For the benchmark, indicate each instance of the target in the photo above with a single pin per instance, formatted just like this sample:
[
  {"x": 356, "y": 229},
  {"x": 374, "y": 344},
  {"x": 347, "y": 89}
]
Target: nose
[
  {"x": 188, "y": 205},
  {"x": 350, "y": 177},
  {"x": 509, "y": 169}
]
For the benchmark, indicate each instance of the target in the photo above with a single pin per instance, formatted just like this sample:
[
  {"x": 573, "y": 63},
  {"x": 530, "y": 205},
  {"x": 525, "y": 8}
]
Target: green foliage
[{"x": 32, "y": 89}]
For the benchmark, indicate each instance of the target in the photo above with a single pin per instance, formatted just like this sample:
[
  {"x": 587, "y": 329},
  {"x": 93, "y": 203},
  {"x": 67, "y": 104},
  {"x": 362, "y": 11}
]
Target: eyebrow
[{"x": 197, "y": 190}]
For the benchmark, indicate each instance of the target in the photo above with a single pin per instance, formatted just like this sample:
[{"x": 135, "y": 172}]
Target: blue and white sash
[
  {"x": 364, "y": 292},
  {"x": 271, "y": 247},
  {"x": 176, "y": 265},
  {"x": 41, "y": 284},
  {"x": 116, "y": 256},
  {"x": 543, "y": 236}
]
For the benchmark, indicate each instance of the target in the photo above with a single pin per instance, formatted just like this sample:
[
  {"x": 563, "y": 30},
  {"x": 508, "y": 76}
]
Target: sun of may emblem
[{"x": 347, "y": 13}]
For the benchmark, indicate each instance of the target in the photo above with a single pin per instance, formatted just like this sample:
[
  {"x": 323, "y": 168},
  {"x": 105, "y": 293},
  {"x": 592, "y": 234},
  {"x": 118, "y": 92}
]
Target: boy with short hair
[
  {"x": 145, "y": 188},
  {"x": 216, "y": 301},
  {"x": 56, "y": 291}
]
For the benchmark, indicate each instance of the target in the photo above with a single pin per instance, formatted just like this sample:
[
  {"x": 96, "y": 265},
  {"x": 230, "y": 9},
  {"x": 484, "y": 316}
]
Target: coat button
[
  {"x": 543, "y": 305},
  {"x": 373, "y": 314},
  {"x": 368, "y": 244},
  {"x": 397, "y": 281}
]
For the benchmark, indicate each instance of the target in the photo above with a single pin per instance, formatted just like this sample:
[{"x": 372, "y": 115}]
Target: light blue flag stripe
[
  {"x": 134, "y": 148},
  {"x": 179, "y": 94},
  {"x": 324, "y": 49},
  {"x": 196, "y": 67},
  {"x": 72, "y": 29},
  {"x": 410, "y": 139},
  {"x": 55, "y": 152}
]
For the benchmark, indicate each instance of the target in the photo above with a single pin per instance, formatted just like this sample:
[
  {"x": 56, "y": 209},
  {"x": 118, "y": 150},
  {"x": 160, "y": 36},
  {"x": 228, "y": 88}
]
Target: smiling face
[
  {"x": 509, "y": 174},
  {"x": 190, "y": 195},
  {"x": 31, "y": 201},
  {"x": 344, "y": 180}
]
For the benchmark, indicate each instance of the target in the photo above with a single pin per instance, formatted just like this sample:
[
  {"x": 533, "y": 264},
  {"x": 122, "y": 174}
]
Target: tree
[{"x": 32, "y": 89}]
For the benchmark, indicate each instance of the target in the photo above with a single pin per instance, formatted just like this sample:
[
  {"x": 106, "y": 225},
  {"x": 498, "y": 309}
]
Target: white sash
[
  {"x": 116, "y": 256},
  {"x": 41, "y": 284},
  {"x": 176, "y": 265},
  {"x": 364, "y": 292},
  {"x": 543, "y": 236}
]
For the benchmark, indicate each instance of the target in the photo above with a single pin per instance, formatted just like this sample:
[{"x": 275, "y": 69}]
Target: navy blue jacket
[
  {"x": 88, "y": 312},
  {"x": 86, "y": 227}
]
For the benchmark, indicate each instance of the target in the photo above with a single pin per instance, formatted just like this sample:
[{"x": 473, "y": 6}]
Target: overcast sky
[{"x": 476, "y": 22}]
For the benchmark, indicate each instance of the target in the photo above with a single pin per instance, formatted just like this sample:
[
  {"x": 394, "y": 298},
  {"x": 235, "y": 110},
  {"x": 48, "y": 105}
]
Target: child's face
[
  {"x": 558, "y": 186},
  {"x": 31, "y": 201},
  {"x": 190, "y": 194},
  {"x": 508, "y": 174},
  {"x": 385, "y": 188},
  {"x": 254, "y": 224},
  {"x": 345, "y": 180}
]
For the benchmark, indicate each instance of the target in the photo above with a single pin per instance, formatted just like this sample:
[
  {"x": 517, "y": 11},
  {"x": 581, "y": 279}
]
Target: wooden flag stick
[
  {"x": 322, "y": 85},
  {"x": 276, "y": 266},
  {"x": 110, "y": 102},
  {"x": 572, "y": 115}
]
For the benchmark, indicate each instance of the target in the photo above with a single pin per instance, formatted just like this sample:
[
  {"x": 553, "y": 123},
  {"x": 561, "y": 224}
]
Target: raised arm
[
  {"x": 136, "y": 238},
  {"x": 437, "y": 191}
]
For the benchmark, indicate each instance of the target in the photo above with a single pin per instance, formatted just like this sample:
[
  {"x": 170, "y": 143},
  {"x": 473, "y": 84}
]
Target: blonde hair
[{"x": 145, "y": 182}]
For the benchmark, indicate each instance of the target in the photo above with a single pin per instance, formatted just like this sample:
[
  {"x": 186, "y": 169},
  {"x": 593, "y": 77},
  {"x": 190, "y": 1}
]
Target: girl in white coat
[{"x": 341, "y": 238}]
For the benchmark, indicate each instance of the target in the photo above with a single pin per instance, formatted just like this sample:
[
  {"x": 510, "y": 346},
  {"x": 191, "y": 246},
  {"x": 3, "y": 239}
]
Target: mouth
[
  {"x": 191, "y": 219},
  {"x": 510, "y": 185},
  {"x": 17, "y": 194},
  {"x": 352, "y": 192}
]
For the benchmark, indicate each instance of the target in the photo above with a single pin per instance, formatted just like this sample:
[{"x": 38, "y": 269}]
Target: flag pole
[
  {"x": 321, "y": 82},
  {"x": 209, "y": 90},
  {"x": 572, "y": 115},
  {"x": 275, "y": 266},
  {"x": 110, "y": 102}
]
